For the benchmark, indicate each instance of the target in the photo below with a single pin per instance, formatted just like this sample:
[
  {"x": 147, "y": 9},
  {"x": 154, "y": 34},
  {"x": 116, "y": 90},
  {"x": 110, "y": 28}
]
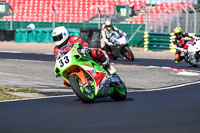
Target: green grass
[
  {"x": 26, "y": 90},
  {"x": 5, "y": 96}
]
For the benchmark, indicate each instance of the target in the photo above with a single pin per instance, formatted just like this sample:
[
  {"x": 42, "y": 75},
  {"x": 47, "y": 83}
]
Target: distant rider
[
  {"x": 61, "y": 37},
  {"x": 107, "y": 30},
  {"x": 180, "y": 42}
]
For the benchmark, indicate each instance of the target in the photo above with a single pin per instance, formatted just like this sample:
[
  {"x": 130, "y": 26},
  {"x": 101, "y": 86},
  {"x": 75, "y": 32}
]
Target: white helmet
[{"x": 60, "y": 34}]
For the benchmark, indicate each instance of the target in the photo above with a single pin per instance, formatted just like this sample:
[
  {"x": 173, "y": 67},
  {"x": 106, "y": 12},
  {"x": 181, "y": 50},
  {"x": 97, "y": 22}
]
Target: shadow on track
[{"x": 104, "y": 100}]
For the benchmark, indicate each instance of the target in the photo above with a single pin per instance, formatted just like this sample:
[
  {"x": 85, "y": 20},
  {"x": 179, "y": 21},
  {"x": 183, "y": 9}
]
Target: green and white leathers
[{"x": 87, "y": 78}]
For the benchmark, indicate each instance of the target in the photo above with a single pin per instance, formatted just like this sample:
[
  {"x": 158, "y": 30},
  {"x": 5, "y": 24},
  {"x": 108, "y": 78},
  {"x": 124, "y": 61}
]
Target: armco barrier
[
  {"x": 7, "y": 35},
  {"x": 40, "y": 35},
  {"x": 160, "y": 41}
]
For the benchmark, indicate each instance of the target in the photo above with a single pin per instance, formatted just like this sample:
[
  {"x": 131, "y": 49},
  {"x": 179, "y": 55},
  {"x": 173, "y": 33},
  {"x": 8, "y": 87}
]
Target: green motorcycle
[{"x": 87, "y": 78}]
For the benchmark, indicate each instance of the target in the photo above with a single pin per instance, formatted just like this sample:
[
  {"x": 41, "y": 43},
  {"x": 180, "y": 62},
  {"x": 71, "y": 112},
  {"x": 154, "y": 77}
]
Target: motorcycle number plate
[{"x": 63, "y": 62}]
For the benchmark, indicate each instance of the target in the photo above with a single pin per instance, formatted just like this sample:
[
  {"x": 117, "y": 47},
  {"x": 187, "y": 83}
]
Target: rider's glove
[{"x": 84, "y": 50}]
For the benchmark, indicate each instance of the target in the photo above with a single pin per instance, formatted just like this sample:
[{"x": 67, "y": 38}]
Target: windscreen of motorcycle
[{"x": 64, "y": 50}]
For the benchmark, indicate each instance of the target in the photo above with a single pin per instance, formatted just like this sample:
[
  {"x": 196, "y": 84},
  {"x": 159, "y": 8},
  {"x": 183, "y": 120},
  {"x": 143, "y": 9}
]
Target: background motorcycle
[
  {"x": 119, "y": 48},
  {"x": 88, "y": 79},
  {"x": 192, "y": 53}
]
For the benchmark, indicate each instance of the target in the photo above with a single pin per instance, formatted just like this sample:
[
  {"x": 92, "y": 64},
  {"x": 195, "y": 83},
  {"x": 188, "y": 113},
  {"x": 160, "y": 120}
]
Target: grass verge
[{"x": 4, "y": 95}]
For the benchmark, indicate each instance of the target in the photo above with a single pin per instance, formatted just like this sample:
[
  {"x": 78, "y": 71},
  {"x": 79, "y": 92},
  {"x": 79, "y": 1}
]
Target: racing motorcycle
[
  {"x": 192, "y": 53},
  {"x": 87, "y": 78},
  {"x": 119, "y": 48}
]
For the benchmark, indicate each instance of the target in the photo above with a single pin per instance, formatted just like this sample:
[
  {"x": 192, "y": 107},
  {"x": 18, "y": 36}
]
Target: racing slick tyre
[
  {"x": 83, "y": 92},
  {"x": 120, "y": 91}
]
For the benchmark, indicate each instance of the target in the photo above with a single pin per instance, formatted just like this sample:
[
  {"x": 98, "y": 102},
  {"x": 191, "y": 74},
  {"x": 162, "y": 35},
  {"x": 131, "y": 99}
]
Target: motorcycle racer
[
  {"x": 180, "y": 42},
  {"x": 61, "y": 37},
  {"x": 106, "y": 32}
]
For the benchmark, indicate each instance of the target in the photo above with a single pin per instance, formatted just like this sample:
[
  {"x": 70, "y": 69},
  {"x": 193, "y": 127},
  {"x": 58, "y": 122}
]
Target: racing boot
[
  {"x": 107, "y": 66},
  {"x": 178, "y": 58}
]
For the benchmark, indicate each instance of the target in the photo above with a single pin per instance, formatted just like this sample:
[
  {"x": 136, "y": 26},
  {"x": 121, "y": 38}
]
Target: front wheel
[
  {"x": 120, "y": 91},
  {"x": 128, "y": 54},
  {"x": 84, "y": 92}
]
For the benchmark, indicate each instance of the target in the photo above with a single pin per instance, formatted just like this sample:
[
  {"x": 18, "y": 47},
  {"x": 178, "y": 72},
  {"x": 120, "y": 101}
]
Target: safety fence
[
  {"x": 160, "y": 41},
  {"x": 39, "y": 35},
  {"x": 31, "y": 36}
]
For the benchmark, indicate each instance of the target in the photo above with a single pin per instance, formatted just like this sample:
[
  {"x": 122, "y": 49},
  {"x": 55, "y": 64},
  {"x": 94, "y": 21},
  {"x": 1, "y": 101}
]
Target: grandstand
[
  {"x": 66, "y": 10},
  {"x": 83, "y": 10},
  {"x": 163, "y": 6}
]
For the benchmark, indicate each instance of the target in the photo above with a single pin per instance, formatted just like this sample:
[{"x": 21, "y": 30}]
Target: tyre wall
[
  {"x": 7, "y": 35},
  {"x": 91, "y": 36}
]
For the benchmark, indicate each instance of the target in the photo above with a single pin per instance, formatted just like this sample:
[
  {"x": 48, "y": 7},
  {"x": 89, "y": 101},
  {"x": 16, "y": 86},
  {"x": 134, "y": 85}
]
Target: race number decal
[
  {"x": 63, "y": 61},
  {"x": 66, "y": 59}
]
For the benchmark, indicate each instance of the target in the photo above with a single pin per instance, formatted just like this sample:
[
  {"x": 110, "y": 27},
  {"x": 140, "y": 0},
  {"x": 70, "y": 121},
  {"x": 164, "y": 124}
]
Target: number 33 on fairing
[{"x": 63, "y": 61}]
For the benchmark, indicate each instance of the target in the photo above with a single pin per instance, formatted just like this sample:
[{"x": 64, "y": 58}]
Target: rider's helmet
[
  {"x": 178, "y": 32},
  {"x": 108, "y": 25},
  {"x": 60, "y": 35}
]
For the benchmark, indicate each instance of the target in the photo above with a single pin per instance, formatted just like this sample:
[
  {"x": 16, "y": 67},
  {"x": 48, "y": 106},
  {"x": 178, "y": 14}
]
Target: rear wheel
[
  {"x": 187, "y": 59},
  {"x": 120, "y": 91},
  {"x": 128, "y": 54},
  {"x": 84, "y": 92}
]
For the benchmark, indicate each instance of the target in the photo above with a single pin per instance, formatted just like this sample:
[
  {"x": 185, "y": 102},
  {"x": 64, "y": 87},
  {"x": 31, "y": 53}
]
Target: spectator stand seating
[
  {"x": 139, "y": 19},
  {"x": 66, "y": 10}
]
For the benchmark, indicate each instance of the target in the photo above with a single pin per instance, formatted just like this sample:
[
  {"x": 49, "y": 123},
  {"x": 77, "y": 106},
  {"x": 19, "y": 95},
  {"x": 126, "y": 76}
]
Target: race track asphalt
[{"x": 167, "y": 111}]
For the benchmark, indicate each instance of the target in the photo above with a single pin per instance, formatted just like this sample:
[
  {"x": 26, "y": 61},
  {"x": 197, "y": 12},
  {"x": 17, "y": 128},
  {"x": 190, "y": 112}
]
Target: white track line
[
  {"x": 49, "y": 97},
  {"x": 166, "y": 88}
]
